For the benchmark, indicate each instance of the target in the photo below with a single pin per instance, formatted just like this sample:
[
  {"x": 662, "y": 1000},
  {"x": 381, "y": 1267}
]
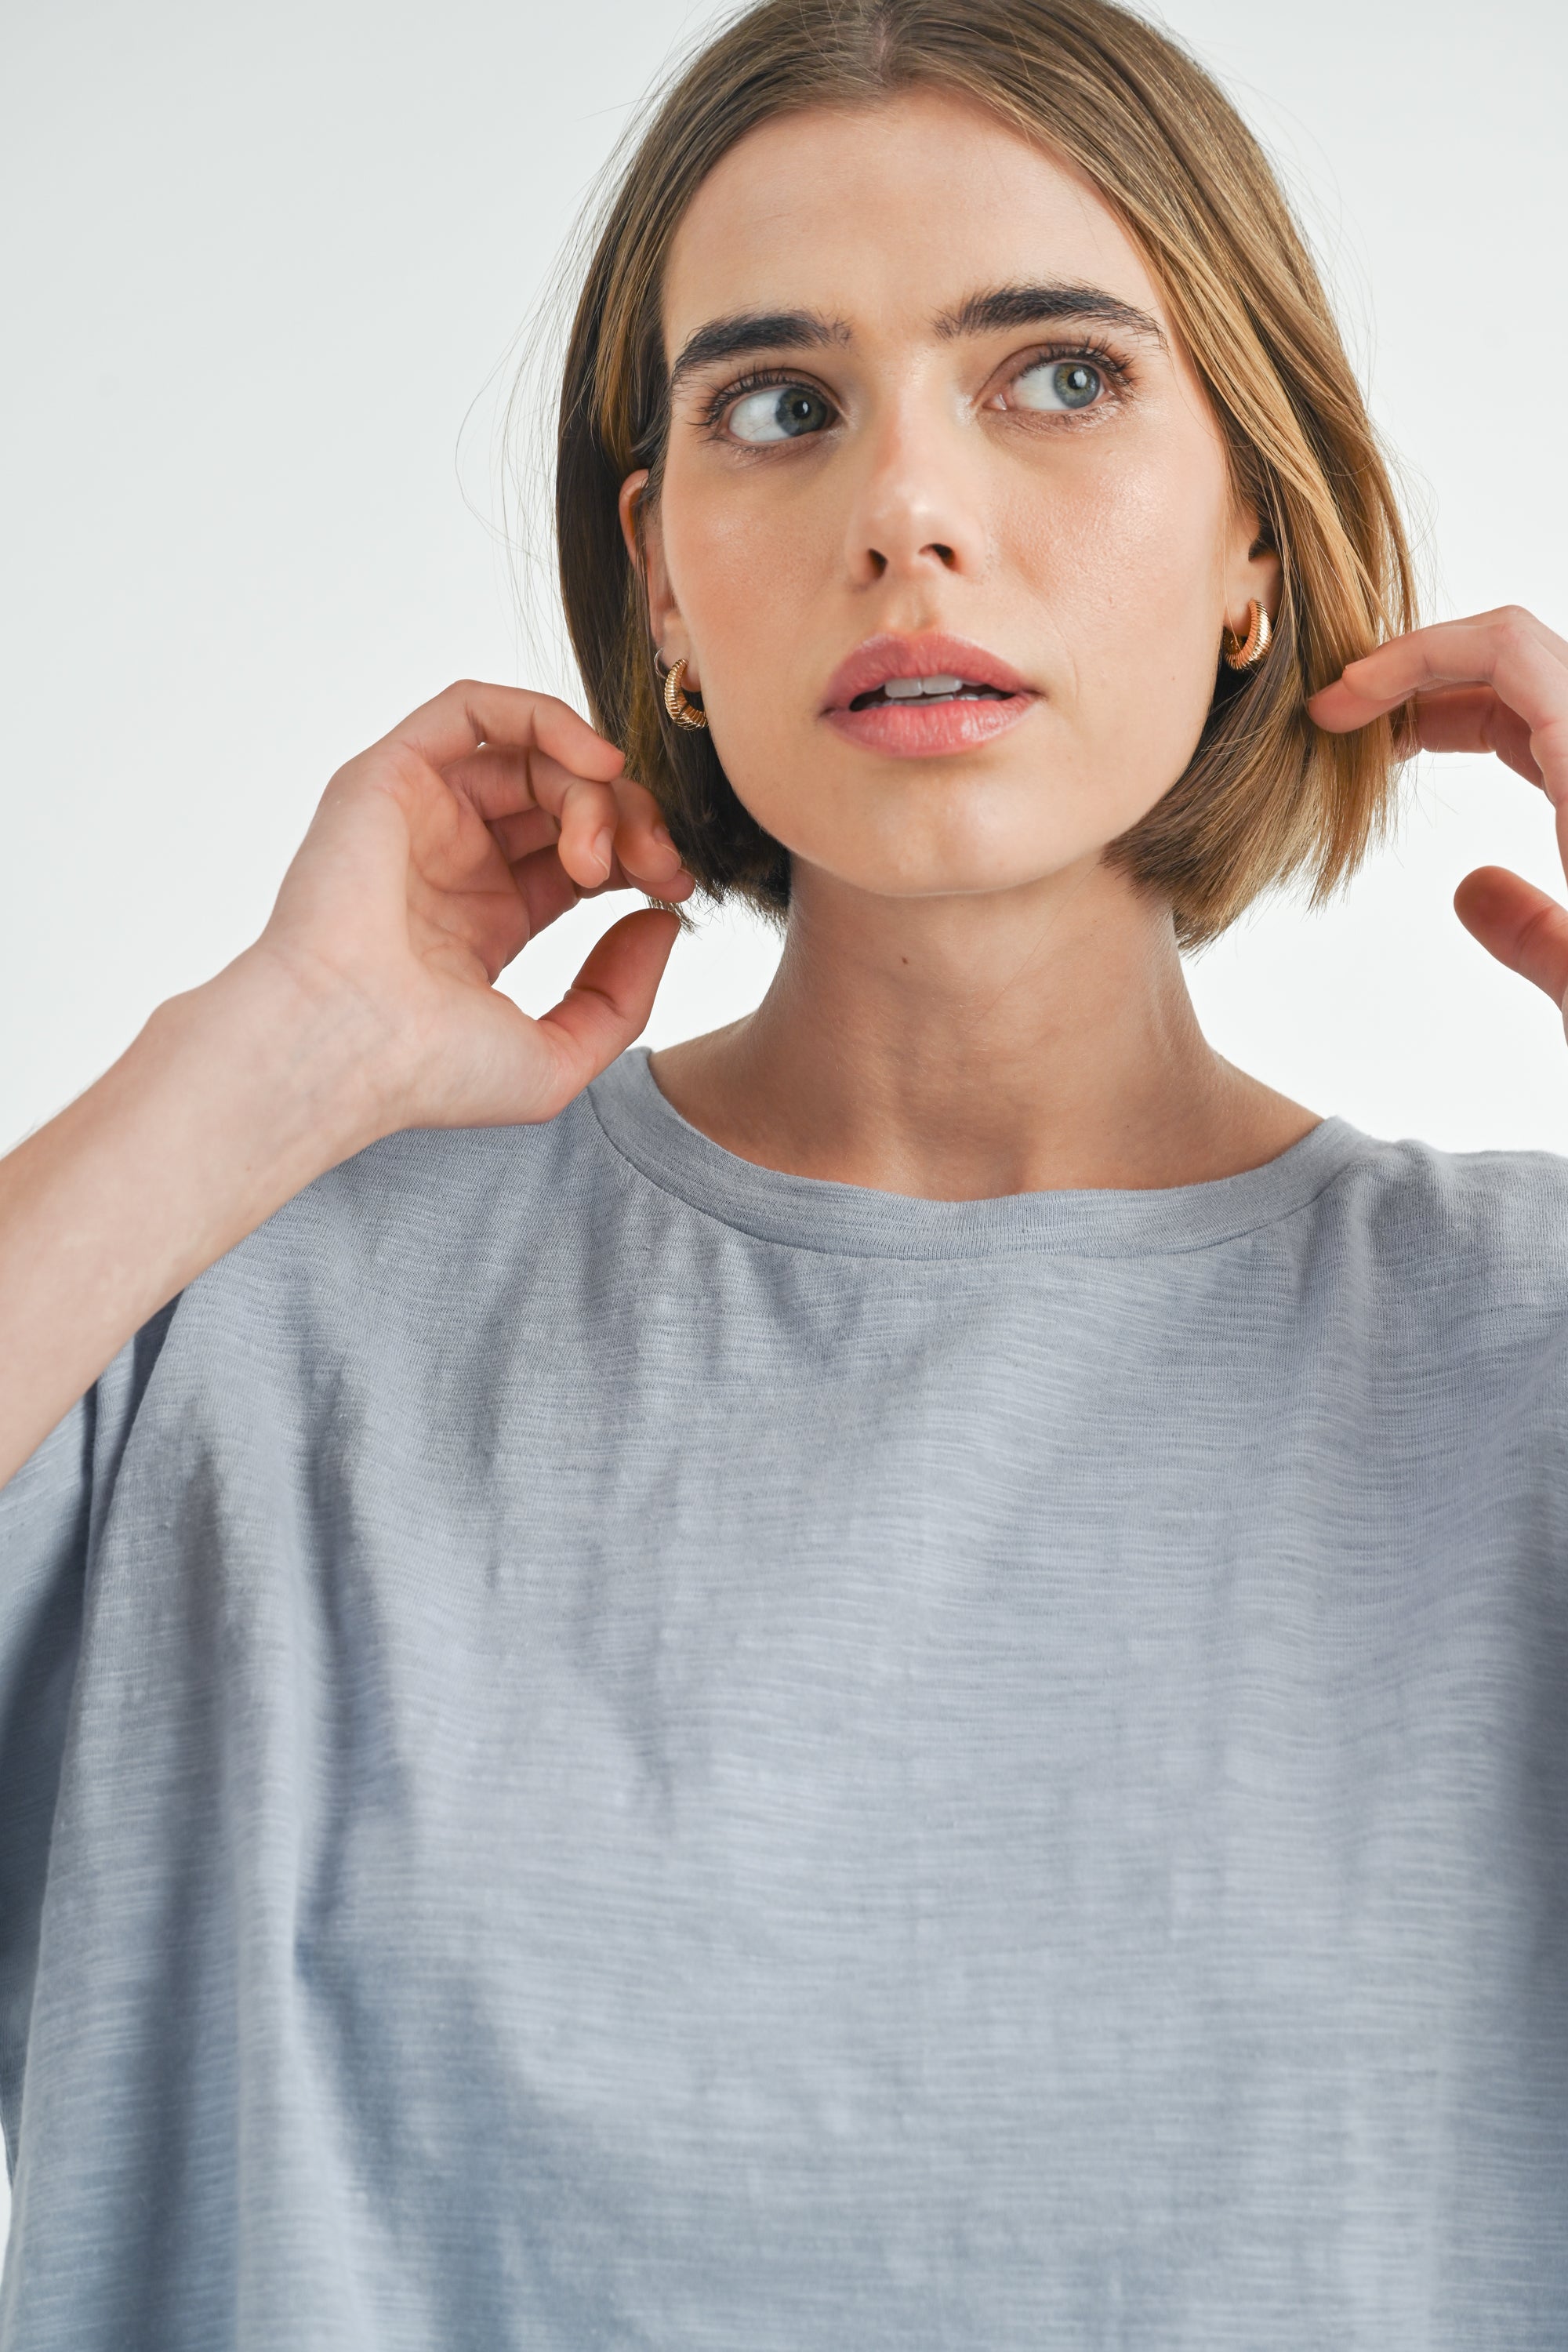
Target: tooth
[
  {"x": 902, "y": 689},
  {"x": 940, "y": 684}
]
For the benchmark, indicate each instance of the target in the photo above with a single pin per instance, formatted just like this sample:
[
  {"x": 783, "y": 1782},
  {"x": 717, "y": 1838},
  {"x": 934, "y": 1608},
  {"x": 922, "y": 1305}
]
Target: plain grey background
[{"x": 263, "y": 271}]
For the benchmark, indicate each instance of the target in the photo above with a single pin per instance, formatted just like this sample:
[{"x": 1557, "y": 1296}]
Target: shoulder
[
  {"x": 465, "y": 1186},
  {"x": 426, "y": 1224},
  {"x": 1456, "y": 1253},
  {"x": 1422, "y": 1205}
]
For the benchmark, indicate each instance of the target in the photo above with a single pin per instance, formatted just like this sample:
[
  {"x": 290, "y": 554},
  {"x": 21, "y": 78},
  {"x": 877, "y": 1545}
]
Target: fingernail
[
  {"x": 603, "y": 844},
  {"x": 663, "y": 837}
]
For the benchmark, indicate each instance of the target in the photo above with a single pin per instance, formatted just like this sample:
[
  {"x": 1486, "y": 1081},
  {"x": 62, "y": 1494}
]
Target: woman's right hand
[
  {"x": 432, "y": 860},
  {"x": 366, "y": 1005}
]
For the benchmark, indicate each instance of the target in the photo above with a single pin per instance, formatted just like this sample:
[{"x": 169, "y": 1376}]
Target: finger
[
  {"x": 457, "y": 723},
  {"x": 499, "y": 780},
  {"x": 519, "y": 836},
  {"x": 547, "y": 890},
  {"x": 556, "y": 806},
  {"x": 502, "y": 780},
  {"x": 1518, "y": 924},
  {"x": 482, "y": 920},
  {"x": 646, "y": 853},
  {"x": 607, "y": 1005},
  {"x": 1509, "y": 649},
  {"x": 545, "y": 887},
  {"x": 658, "y": 871},
  {"x": 510, "y": 788},
  {"x": 1475, "y": 719},
  {"x": 673, "y": 891},
  {"x": 611, "y": 837},
  {"x": 589, "y": 814},
  {"x": 496, "y": 780}
]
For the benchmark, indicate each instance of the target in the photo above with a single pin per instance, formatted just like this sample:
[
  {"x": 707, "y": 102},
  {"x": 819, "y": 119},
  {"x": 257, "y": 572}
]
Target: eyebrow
[
  {"x": 755, "y": 331},
  {"x": 992, "y": 312},
  {"x": 1036, "y": 306}
]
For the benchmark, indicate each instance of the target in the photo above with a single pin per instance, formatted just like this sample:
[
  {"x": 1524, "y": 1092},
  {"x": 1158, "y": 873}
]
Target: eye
[
  {"x": 778, "y": 413},
  {"x": 1058, "y": 384}
]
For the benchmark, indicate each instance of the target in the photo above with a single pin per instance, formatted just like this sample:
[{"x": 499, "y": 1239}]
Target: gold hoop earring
[
  {"x": 682, "y": 711},
  {"x": 1246, "y": 653}
]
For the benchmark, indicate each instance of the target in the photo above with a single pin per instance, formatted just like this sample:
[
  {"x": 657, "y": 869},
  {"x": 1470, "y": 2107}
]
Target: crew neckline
[{"x": 813, "y": 1212}]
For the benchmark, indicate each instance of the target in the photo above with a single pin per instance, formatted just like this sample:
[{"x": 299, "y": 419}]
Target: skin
[{"x": 970, "y": 1001}]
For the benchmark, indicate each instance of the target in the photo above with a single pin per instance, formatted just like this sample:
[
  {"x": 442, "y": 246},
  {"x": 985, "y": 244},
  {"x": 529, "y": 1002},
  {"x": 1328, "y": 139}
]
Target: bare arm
[{"x": 367, "y": 1005}]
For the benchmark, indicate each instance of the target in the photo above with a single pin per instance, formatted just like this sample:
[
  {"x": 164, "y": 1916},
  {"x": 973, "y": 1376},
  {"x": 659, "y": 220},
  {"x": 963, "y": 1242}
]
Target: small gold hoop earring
[
  {"x": 1246, "y": 653},
  {"x": 678, "y": 703}
]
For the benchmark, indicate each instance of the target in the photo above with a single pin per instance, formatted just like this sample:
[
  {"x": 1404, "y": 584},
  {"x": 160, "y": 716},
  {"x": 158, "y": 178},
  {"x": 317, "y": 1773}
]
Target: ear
[
  {"x": 645, "y": 545},
  {"x": 1253, "y": 572}
]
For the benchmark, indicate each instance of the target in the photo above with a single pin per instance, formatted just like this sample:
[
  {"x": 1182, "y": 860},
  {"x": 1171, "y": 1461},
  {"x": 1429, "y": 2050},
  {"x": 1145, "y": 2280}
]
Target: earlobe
[
  {"x": 1258, "y": 574},
  {"x": 1254, "y": 572},
  {"x": 1252, "y": 594},
  {"x": 1255, "y": 587},
  {"x": 1245, "y": 648}
]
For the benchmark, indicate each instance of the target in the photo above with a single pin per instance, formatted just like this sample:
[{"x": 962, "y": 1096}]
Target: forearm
[{"x": 233, "y": 1099}]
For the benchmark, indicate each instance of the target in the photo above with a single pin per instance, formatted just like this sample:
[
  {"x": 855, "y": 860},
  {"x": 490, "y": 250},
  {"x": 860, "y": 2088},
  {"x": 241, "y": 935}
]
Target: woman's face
[{"x": 930, "y": 422}]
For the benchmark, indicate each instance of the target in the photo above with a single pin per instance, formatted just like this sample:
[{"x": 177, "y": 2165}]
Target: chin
[
  {"x": 946, "y": 840},
  {"x": 927, "y": 869}
]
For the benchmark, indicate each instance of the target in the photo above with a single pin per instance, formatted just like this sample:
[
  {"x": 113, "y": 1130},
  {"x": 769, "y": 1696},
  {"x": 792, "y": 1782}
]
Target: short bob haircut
[{"x": 1266, "y": 797}]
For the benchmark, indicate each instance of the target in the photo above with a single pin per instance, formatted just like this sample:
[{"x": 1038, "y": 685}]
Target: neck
[{"x": 960, "y": 1048}]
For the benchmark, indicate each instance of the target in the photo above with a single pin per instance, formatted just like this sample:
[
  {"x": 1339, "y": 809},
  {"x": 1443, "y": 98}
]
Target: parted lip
[{"x": 880, "y": 659}]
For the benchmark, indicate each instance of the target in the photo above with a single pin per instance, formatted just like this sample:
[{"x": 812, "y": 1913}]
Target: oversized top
[{"x": 603, "y": 1747}]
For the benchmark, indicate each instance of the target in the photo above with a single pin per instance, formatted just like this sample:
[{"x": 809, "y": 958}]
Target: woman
[{"x": 898, "y": 1679}]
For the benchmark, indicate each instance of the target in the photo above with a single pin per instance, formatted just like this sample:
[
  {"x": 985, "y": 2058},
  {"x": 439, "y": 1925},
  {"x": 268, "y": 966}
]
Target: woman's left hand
[{"x": 1496, "y": 682}]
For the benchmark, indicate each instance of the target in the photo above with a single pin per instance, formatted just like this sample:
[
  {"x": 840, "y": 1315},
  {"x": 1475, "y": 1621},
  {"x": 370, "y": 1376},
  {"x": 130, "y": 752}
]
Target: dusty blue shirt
[{"x": 604, "y": 1747}]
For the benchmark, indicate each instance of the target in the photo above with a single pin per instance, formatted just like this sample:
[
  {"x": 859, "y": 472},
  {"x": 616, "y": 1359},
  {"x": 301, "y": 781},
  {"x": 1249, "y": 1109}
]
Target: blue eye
[
  {"x": 1059, "y": 384},
  {"x": 778, "y": 413}
]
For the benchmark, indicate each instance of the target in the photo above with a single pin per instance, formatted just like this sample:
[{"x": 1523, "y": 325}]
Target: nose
[{"x": 915, "y": 511}]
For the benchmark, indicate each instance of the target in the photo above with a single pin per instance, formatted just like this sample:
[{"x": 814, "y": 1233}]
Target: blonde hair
[{"x": 1266, "y": 797}]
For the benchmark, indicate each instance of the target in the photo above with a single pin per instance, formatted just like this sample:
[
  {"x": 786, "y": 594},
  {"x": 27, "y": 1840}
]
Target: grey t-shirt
[{"x": 605, "y": 1747}]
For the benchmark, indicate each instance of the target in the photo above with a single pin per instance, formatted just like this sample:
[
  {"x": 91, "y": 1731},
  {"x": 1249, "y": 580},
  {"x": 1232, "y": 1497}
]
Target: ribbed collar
[{"x": 852, "y": 1221}]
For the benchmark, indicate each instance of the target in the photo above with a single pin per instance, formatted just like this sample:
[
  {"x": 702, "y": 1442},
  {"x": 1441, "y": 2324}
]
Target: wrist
[
  {"x": 234, "y": 1097},
  {"x": 295, "y": 1078}
]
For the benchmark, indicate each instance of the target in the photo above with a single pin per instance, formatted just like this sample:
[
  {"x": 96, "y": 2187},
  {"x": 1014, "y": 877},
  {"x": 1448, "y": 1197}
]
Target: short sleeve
[{"x": 49, "y": 1512}]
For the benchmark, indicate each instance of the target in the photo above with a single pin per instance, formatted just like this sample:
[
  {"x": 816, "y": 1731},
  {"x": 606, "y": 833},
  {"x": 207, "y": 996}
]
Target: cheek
[
  {"x": 1131, "y": 572},
  {"x": 748, "y": 574}
]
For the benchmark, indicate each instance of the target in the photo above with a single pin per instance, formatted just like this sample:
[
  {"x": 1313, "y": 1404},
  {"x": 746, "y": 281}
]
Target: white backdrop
[{"x": 260, "y": 262}]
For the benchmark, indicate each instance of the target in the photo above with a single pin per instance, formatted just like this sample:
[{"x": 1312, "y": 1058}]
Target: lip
[{"x": 912, "y": 730}]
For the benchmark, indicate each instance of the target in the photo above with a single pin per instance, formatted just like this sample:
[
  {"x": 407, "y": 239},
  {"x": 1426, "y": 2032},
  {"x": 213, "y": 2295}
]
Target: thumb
[
  {"x": 1518, "y": 924},
  {"x": 608, "y": 1004}
]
